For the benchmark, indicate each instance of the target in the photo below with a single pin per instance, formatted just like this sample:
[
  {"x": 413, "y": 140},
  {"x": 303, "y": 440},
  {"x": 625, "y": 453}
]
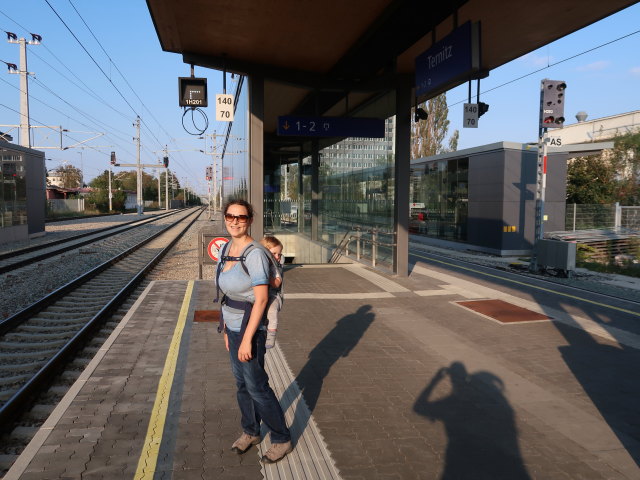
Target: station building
[
  {"x": 378, "y": 60},
  {"x": 22, "y": 192},
  {"x": 484, "y": 197}
]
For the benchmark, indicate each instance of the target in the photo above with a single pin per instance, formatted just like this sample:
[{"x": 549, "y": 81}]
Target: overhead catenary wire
[
  {"x": 143, "y": 123},
  {"x": 45, "y": 125},
  {"x": 146, "y": 127},
  {"x": 85, "y": 88},
  {"x": 118, "y": 70},
  {"x": 55, "y": 109},
  {"x": 103, "y": 72},
  {"x": 549, "y": 65}
]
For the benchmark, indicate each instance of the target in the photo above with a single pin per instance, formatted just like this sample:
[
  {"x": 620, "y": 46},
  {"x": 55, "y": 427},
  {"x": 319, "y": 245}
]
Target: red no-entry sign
[{"x": 213, "y": 249}]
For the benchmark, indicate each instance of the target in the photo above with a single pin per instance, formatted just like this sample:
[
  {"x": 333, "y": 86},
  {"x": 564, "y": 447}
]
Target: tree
[
  {"x": 610, "y": 177},
  {"x": 453, "y": 141},
  {"x": 129, "y": 181},
  {"x": 590, "y": 180},
  {"x": 100, "y": 194},
  {"x": 427, "y": 135},
  {"x": 625, "y": 160},
  {"x": 71, "y": 176}
]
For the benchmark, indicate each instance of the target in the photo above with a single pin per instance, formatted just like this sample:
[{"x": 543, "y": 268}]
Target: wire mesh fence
[
  {"x": 630, "y": 218},
  {"x": 601, "y": 216}
]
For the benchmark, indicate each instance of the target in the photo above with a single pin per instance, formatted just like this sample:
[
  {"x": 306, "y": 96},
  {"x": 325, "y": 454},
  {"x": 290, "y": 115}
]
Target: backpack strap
[
  {"x": 246, "y": 306},
  {"x": 219, "y": 268}
]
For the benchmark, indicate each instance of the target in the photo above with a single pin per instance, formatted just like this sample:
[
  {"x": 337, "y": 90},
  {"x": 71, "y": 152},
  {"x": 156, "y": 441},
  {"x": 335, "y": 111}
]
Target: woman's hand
[
  {"x": 226, "y": 341},
  {"x": 261, "y": 294},
  {"x": 244, "y": 351}
]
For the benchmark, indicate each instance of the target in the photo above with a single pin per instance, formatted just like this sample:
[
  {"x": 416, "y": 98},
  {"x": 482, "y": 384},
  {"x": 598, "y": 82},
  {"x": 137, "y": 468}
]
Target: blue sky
[{"x": 69, "y": 90}]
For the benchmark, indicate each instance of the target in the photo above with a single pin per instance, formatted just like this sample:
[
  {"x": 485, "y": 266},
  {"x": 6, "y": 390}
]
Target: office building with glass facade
[
  {"x": 22, "y": 193},
  {"x": 484, "y": 197}
]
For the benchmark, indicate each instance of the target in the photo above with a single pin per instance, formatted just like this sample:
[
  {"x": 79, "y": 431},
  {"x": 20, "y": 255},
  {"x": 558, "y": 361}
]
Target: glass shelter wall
[
  {"x": 233, "y": 171},
  {"x": 356, "y": 191},
  {"x": 439, "y": 199},
  {"x": 13, "y": 191}
]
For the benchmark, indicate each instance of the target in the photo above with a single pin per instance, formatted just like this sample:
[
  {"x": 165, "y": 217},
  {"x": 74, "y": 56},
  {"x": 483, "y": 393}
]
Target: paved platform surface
[{"x": 381, "y": 378}]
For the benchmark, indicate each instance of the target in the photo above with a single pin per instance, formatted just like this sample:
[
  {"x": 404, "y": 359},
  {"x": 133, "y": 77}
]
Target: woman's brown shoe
[
  {"x": 277, "y": 452},
  {"x": 243, "y": 443}
]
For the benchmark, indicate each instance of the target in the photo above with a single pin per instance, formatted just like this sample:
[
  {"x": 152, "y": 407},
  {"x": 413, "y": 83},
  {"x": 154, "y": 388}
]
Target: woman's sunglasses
[{"x": 241, "y": 218}]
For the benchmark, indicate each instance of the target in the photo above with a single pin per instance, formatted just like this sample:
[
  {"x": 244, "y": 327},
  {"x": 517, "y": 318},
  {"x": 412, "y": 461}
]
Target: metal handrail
[
  {"x": 360, "y": 239},
  {"x": 340, "y": 248}
]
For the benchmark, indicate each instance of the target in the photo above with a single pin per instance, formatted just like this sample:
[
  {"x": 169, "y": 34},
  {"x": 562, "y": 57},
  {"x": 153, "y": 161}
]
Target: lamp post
[{"x": 81, "y": 169}]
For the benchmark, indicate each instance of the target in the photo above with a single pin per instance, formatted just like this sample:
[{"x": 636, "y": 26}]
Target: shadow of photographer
[{"x": 480, "y": 425}]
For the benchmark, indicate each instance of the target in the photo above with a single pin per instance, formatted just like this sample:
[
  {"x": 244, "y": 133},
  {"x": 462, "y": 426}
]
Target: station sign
[
  {"x": 295, "y": 126},
  {"x": 449, "y": 62},
  {"x": 192, "y": 92},
  {"x": 470, "y": 117}
]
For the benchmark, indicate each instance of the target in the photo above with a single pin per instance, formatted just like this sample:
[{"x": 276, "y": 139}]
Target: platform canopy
[{"x": 336, "y": 57}]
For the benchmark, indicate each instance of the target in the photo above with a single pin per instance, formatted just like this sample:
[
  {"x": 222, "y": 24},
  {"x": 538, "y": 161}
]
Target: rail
[
  {"x": 25, "y": 395},
  {"x": 361, "y": 239}
]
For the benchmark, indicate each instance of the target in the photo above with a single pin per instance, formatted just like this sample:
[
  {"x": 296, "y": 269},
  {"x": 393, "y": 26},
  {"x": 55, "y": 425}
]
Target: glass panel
[
  {"x": 440, "y": 197},
  {"x": 13, "y": 190},
  {"x": 356, "y": 187},
  {"x": 235, "y": 159}
]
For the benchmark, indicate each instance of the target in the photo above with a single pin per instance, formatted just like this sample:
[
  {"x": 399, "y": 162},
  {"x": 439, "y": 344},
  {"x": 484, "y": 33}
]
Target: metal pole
[
  {"x": 541, "y": 179},
  {"x": 166, "y": 189},
  {"x": 374, "y": 246},
  {"x": 25, "y": 127},
  {"x": 140, "y": 206},
  {"x": 110, "y": 193}
]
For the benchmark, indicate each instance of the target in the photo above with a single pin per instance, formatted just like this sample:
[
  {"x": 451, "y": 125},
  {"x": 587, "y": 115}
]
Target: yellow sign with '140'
[{"x": 224, "y": 108}]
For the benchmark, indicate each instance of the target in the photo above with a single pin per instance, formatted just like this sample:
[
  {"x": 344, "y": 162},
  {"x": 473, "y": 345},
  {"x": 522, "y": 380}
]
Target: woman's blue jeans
[{"x": 256, "y": 399}]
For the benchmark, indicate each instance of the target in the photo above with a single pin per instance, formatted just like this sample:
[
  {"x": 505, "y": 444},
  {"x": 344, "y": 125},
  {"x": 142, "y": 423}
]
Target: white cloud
[
  {"x": 635, "y": 71},
  {"x": 536, "y": 60},
  {"x": 595, "y": 66}
]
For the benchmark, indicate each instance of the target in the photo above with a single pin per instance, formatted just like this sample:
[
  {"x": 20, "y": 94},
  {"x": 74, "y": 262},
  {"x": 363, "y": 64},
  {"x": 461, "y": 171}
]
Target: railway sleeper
[
  {"x": 9, "y": 385},
  {"x": 23, "y": 367},
  {"x": 21, "y": 353},
  {"x": 48, "y": 317},
  {"x": 62, "y": 307},
  {"x": 49, "y": 338},
  {"x": 34, "y": 346}
]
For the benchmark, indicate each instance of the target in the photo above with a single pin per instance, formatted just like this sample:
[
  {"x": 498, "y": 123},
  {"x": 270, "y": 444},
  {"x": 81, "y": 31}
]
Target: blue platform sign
[
  {"x": 291, "y": 125},
  {"x": 449, "y": 62}
]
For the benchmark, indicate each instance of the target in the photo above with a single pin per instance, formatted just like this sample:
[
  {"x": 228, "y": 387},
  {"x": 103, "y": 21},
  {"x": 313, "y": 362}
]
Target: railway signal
[{"x": 552, "y": 103}]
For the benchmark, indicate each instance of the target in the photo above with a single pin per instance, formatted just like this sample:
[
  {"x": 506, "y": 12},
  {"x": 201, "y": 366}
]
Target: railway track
[
  {"x": 37, "y": 342},
  {"x": 15, "y": 259}
]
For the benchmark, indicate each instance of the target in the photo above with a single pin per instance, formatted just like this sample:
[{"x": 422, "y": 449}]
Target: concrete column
[
  {"x": 256, "y": 154},
  {"x": 315, "y": 189},
  {"x": 402, "y": 173},
  {"x": 300, "y": 191}
]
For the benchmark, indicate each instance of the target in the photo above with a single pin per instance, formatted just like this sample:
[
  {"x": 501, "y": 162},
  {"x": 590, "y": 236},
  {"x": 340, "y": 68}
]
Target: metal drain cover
[
  {"x": 502, "y": 311},
  {"x": 206, "y": 316}
]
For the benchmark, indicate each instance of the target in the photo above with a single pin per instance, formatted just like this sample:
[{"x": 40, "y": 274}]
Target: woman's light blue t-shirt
[{"x": 237, "y": 285}]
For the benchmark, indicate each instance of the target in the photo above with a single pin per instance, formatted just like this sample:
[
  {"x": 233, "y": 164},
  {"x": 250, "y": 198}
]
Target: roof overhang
[{"x": 336, "y": 57}]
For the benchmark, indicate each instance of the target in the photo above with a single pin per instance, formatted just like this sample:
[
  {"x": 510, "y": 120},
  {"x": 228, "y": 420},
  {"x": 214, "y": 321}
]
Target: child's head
[{"x": 273, "y": 245}]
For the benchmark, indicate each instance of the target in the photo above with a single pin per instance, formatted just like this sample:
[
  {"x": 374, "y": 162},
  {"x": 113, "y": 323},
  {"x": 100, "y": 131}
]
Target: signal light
[
  {"x": 420, "y": 114},
  {"x": 552, "y": 103},
  {"x": 113, "y": 158},
  {"x": 482, "y": 108},
  {"x": 165, "y": 162}
]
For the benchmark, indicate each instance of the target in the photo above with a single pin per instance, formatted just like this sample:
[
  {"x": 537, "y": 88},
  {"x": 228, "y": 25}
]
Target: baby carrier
[{"x": 243, "y": 305}]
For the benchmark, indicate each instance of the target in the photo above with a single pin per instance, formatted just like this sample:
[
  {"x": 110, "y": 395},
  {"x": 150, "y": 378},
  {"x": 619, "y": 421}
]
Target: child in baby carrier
[{"x": 275, "y": 288}]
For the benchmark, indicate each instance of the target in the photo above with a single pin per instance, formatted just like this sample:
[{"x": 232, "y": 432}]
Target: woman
[{"x": 246, "y": 343}]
